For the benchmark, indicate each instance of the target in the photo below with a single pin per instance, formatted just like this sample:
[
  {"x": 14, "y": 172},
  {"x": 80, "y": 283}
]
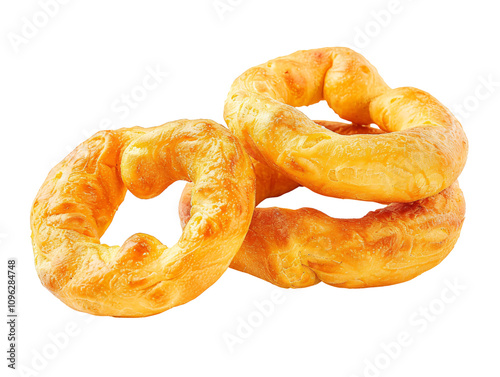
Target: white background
[{"x": 59, "y": 86}]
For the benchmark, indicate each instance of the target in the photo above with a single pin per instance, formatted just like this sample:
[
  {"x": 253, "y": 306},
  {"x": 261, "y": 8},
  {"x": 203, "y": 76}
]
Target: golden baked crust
[
  {"x": 299, "y": 248},
  {"x": 422, "y": 153},
  {"x": 80, "y": 196}
]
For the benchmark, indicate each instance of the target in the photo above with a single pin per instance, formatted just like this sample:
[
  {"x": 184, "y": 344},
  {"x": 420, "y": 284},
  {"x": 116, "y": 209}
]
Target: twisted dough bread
[
  {"x": 80, "y": 196},
  {"x": 422, "y": 155},
  {"x": 299, "y": 248}
]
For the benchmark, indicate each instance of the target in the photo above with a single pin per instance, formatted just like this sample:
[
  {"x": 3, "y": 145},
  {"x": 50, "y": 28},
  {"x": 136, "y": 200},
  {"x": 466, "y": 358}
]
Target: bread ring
[
  {"x": 80, "y": 196},
  {"x": 299, "y": 248},
  {"x": 423, "y": 152}
]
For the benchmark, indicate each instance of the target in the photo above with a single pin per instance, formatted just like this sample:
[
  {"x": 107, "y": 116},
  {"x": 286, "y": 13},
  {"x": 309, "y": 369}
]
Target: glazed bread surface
[{"x": 80, "y": 196}]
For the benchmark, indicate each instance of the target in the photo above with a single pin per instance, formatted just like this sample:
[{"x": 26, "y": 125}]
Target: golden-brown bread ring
[
  {"x": 80, "y": 196},
  {"x": 423, "y": 152},
  {"x": 299, "y": 248}
]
